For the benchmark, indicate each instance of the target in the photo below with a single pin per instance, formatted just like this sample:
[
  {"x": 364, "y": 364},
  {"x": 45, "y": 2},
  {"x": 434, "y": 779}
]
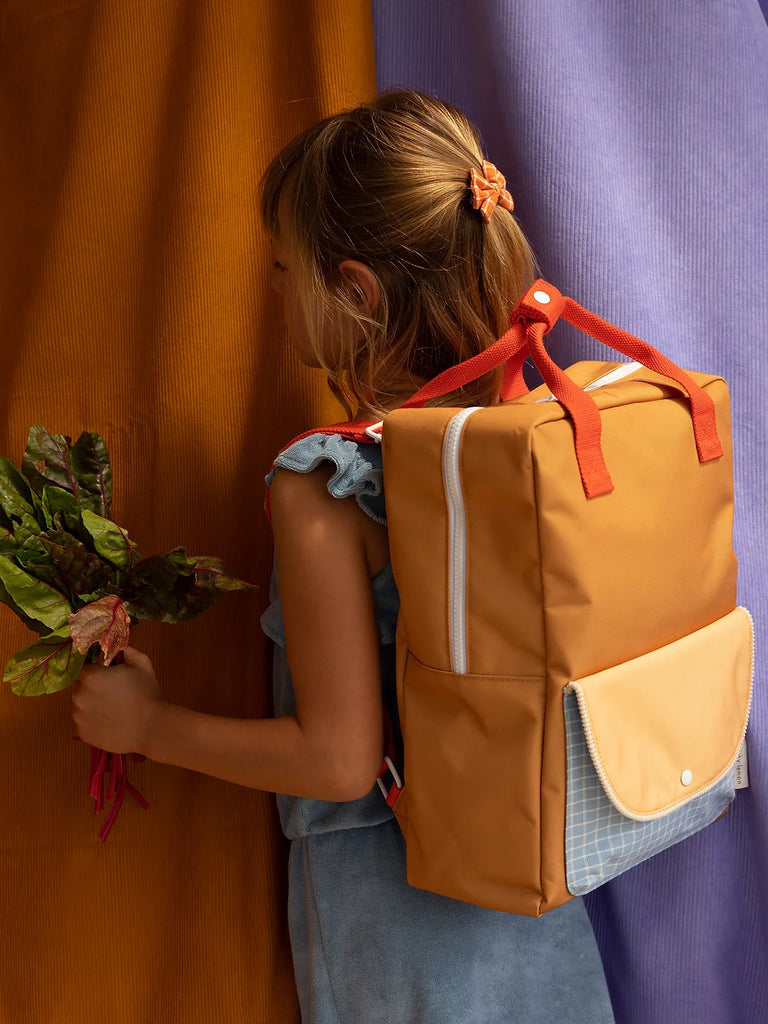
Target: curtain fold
[
  {"x": 134, "y": 301},
  {"x": 633, "y": 139}
]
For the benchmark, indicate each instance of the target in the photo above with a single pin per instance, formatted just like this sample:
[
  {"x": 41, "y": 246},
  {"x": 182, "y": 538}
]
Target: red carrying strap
[
  {"x": 535, "y": 315},
  {"x": 510, "y": 350},
  {"x": 702, "y": 407},
  {"x": 392, "y": 791},
  {"x": 355, "y": 430},
  {"x": 587, "y": 425}
]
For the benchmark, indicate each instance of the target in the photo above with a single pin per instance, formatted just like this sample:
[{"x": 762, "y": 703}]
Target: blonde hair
[{"x": 386, "y": 184}]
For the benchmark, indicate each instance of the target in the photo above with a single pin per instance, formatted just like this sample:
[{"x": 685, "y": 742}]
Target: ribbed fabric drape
[
  {"x": 633, "y": 138},
  {"x": 134, "y": 300}
]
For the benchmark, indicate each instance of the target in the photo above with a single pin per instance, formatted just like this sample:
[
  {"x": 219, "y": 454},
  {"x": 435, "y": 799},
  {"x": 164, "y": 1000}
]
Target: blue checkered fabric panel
[{"x": 600, "y": 842}]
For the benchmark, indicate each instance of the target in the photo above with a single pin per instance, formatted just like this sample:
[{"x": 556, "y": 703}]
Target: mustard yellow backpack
[{"x": 574, "y": 677}]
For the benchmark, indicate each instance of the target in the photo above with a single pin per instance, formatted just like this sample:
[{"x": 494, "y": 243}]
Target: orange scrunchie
[{"x": 488, "y": 189}]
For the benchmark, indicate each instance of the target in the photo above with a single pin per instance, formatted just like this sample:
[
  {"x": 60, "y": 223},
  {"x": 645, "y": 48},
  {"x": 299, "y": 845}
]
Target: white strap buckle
[
  {"x": 374, "y": 431},
  {"x": 395, "y": 775}
]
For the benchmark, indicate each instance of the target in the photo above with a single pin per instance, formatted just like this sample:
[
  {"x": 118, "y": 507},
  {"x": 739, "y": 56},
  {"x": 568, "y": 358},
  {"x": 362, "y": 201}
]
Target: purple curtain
[{"x": 634, "y": 138}]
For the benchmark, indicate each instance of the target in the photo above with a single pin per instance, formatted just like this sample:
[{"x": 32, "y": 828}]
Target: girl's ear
[{"x": 361, "y": 284}]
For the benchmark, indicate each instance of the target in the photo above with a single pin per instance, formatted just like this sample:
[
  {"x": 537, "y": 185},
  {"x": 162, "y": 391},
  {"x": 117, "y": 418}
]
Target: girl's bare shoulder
[
  {"x": 304, "y": 499},
  {"x": 305, "y": 513}
]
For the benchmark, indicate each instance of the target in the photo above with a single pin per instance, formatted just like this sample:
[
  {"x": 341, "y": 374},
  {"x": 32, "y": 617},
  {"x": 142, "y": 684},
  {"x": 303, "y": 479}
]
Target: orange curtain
[{"x": 134, "y": 301}]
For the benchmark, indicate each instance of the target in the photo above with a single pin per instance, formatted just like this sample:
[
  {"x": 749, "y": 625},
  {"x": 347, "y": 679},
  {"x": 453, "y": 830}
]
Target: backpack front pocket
[
  {"x": 473, "y": 752},
  {"x": 651, "y": 748}
]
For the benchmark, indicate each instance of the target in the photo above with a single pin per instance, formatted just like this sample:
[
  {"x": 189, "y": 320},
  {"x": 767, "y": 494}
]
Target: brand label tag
[{"x": 742, "y": 767}]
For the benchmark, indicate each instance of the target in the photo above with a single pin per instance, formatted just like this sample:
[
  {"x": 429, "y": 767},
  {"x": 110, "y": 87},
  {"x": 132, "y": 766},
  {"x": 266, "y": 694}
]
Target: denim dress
[{"x": 367, "y": 947}]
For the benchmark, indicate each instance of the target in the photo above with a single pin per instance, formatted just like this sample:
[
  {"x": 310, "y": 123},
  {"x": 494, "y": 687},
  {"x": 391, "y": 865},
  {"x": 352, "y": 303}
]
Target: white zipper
[
  {"x": 457, "y": 540},
  {"x": 457, "y": 520},
  {"x": 618, "y": 373}
]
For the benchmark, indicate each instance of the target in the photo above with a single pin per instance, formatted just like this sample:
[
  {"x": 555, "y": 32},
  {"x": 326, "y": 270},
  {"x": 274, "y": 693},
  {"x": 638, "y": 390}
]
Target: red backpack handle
[{"x": 535, "y": 315}]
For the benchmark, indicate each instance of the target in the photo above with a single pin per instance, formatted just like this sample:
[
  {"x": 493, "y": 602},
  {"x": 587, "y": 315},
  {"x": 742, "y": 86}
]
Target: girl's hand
[{"x": 114, "y": 708}]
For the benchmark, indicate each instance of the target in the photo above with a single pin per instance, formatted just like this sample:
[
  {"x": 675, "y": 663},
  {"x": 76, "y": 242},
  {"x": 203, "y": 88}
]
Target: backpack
[{"x": 573, "y": 675}]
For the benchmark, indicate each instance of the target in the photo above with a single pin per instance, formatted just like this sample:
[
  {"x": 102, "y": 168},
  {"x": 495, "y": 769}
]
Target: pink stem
[
  {"x": 116, "y": 770},
  {"x": 96, "y": 790},
  {"x": 137, "y": 796},
  {"x": 101, "y": 762},
  {"x": 114, "y": 810}
]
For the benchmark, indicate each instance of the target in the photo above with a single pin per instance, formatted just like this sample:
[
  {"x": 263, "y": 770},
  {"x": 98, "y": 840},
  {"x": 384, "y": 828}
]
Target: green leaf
[
  {"x": 61, "y": 509},
  {"x": 15, "y": 495},
  {"x": 111, "y": 541},
  {"x": 28, "y": 527},
  {"x": 107, "y": 591},
  {"x": 89, "y": 462},
  {"x": 8, "y": 542},
  {"x": 104, "y": 622},
  {"x": 174, "y": 588},
  {"x": 34, "y": 598},
  {"x": 48, "y": 665},
  {"x": 36, "y": 560},
  {"x": 210, "y": 573},
  {"x": 30, "y": 623},
  {"x": 45, "y": 460},
  {"x": 82, "y": 469},
  {"x": 162, "y": 588},
  {"x": 81, "y": 571}
]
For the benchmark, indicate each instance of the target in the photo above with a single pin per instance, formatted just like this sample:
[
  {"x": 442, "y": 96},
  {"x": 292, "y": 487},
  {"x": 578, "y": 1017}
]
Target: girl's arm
[{"x": 331, "y": 748}]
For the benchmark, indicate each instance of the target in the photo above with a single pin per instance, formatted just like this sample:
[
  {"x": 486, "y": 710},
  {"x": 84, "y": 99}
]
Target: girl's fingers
[
  {"x": 91, "y": 677},
  {"x": 135, "y": 658},
  {"x": 131, "y": 658},
  {"x": 86, "y": 671}
]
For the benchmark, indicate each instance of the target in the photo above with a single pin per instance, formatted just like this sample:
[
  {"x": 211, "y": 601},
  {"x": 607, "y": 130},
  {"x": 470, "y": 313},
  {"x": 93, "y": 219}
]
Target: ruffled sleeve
[{"x": 358, "y": 471}]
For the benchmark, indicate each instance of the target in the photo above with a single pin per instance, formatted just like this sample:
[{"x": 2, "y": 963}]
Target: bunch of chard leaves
[
  {"x": 72, "y": 574},
  {"x": 76, "y": 578}
]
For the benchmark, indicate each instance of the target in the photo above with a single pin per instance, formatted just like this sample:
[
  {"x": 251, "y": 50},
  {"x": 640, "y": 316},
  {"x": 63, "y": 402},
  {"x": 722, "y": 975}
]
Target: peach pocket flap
[{"x": 666, "y": 727}]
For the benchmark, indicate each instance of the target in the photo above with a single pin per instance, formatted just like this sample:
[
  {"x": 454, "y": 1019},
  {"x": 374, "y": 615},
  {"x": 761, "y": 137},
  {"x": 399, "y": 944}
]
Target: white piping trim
[{"x": 618, "y": 373}]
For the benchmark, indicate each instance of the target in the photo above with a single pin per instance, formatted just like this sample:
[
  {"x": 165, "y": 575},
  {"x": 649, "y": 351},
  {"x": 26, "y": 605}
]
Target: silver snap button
[
  {"x": 687, "y": 777},
  {"x": 541, "y": 297}
]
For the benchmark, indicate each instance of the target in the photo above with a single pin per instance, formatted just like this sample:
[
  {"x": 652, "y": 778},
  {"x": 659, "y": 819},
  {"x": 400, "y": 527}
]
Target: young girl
[{"x": 397, "y": 256}]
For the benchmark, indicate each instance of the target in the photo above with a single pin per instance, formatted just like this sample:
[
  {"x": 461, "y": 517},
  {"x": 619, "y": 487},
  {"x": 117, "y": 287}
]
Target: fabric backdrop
[
  {"x": 634, "y": 138},
  {"x": 134, "y": 301}
]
